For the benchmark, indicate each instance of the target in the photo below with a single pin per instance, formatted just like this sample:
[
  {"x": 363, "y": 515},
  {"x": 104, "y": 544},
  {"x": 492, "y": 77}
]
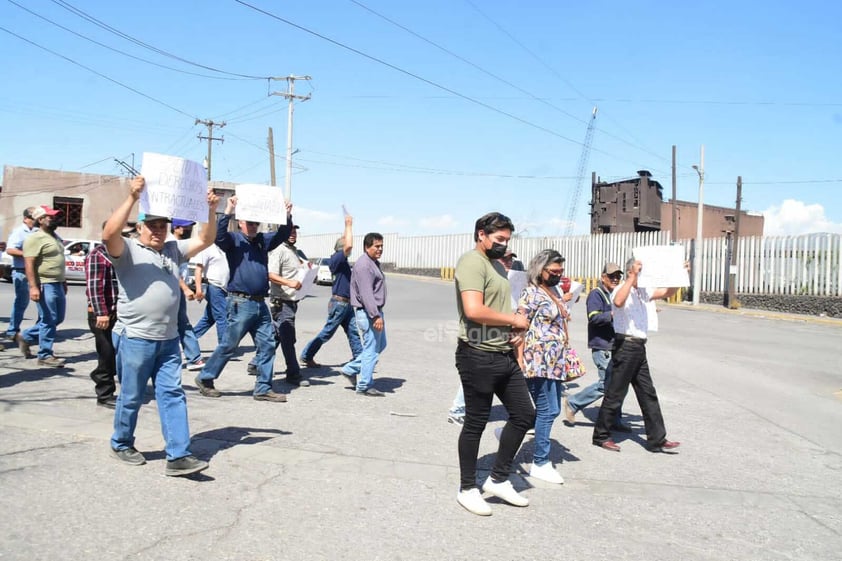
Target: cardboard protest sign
[
  {"x": 175, "y": 188},
  {"x": 663, "y": 266},
  {"x": 260, "y": 203}
]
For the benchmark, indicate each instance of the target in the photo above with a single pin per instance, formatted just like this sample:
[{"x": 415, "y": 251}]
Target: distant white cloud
[
  {"x": 443, "y": 222},
  {"x": 391, "y": 221},
  {"x": 551, "y": 227},
  {"x": 317, "y": 220},
  {"x": 796, "y": 217}
]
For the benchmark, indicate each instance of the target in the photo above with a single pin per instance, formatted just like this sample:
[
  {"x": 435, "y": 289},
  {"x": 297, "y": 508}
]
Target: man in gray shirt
[
  {"x": 368, "y": 297},
  {"x": 147, "y": 324}
]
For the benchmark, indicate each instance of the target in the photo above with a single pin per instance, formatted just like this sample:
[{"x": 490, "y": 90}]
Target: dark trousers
[
  {"x": 486, "y": 374},
  {"x": 106, "y": 368},
  {"x": 629, "y": 366},
  {"x": 283, "y": 319}
]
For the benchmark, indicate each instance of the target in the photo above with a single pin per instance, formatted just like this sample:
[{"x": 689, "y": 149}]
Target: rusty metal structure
[{"x": 628, "y": 205}]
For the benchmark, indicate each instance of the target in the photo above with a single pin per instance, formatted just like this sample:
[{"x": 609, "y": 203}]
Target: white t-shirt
[
  {"x": 633, "y": 318},
  {"x": 214, "y": 264}
]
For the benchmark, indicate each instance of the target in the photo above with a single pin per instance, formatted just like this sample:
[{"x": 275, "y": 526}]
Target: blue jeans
[
  {"x": 215, "y": 314},
  {"x": 283, "y": 320},
  {"x": 189, "y": 341},
  {"x": 21, "y": 302},
  {"x": 602, "y": 360},
  {"x": 51, "y": 308},
  {"x": 139, "y": 360},
  {"x": 374, "y": 343},
  {"x": 546, "y": 394},
  {"x": 246, "y": 316},
  {"x": 338, "y": 314}
]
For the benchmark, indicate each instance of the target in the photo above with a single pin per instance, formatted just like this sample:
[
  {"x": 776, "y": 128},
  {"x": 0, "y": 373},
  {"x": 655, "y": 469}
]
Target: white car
[
  {"x": 323, "y": 274},
  {"x": 75, "y": 252}
]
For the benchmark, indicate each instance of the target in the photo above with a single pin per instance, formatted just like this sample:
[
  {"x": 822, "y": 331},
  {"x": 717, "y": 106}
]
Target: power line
[
  {"x": 76, "y": 11},
  {"x": 101, "y": 75},
  {"x": 420, "y": 78},
  {"x": 103, "y": 45}
]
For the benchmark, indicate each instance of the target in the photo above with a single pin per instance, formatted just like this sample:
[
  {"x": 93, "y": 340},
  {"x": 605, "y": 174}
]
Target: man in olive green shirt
[
  {"x": 487, "y": 364},
  {"x": 43, "y": 255}
]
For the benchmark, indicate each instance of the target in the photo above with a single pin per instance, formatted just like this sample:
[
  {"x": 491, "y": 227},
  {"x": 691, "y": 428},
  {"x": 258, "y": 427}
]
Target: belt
[
  {"x": 276, "y": 301},
  {"x": 621, "y": 338},
  {"x": 251, "y": 297},
  {"x": 19, "y": 269},
  {"x": 340, "y": 298}
]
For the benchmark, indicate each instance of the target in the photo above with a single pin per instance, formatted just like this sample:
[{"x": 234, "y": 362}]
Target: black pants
[
  {"x": 283, "y": 320},
  {"x": 486, "y": 374},
  {"x": 106, "y": 368},
  {"x": 629, "y": 366}
]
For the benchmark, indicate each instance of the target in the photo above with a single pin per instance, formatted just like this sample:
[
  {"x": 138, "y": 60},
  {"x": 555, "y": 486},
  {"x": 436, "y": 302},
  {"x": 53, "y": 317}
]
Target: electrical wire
[
  {"x": 101, "y": 75},
  {"x": 103, "y": 45},
  {"x": 76, "y": 11}
]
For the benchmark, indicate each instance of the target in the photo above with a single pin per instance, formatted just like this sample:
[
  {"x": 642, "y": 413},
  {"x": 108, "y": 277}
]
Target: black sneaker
[
  {"x": 371, "y": 392},
  {"x": 297, "y": 382},
  {"x": 130, "y": 456},
  {"x": 185, "y": 466},
  {"x": 108, "y": 403},
  {"x": 251, "y": 369},
  {"x": 206, "y": 388}
]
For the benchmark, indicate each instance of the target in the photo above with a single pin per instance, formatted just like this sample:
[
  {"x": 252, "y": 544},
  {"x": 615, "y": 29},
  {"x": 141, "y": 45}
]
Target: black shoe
[
  {"x": 108, "y": 403},
  {"x": 251, "y": 369},
  {"x": 185, "y": 466},
  {"x": 130, "y": 456},
  {"x": 371, "y": 392},
  {"x": 299, "y": 382}
]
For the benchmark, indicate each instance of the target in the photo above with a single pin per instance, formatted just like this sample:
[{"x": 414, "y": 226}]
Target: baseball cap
[
  {"x": 180, "y": 223},
  {"x": 509, "y": 252},
  {"x": 143, "y": 217},
  {"x": 43, "y": 210},
  {"x": 611, "y": 268}
]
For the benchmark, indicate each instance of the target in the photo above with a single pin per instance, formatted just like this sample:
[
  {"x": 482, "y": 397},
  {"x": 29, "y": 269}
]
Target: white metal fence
[{"x": 807, "y": 265}]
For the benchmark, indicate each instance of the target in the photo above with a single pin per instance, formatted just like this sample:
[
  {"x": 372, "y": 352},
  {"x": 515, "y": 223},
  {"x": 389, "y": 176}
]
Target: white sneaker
[
  {"x": 546, "y": 473},
  {"x": 473, "y": 502},
  {"x": 504, "y": 491}
]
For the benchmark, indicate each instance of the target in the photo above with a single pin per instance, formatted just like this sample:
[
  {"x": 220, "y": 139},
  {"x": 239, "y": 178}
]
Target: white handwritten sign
[
  {"x": 260, "y": 203},
  {"x": 307, "y": 277},
  {"x": 175, "y": 188},
  {"x": 517, "y": 281},
  {"x": 663, "y": 266}
]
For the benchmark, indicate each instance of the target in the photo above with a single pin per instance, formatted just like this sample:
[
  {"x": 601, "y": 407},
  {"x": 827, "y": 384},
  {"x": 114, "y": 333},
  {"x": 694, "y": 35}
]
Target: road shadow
[
  {"x": 207, "y": 444},
  {"x": 32, "y": 374}
]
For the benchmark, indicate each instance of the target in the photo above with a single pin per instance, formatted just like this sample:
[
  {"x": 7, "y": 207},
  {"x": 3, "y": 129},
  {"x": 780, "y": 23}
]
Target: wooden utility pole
[
  {"x": 674, "y": 208},
  {"x": 210, "y": 138},
  {"x": 291, "y": 97},
  {"x": 271, "y": 143},
  {"x": 732, "y": 270}
]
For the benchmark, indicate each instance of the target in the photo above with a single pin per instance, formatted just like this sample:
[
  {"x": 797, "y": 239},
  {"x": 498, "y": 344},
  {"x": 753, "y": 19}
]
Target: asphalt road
[{"x": 753, "y": 397}]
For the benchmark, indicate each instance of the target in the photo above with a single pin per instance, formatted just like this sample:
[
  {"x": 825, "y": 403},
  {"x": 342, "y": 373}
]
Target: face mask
[
  {"x": 497, "y": 251},
  {"x": 552, "y": 280}
]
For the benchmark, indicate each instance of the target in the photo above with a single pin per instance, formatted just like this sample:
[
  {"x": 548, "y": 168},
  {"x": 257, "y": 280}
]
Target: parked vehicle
[
  {"x": 75, "y": 252},
  {"x": 323, "y": 274},
  {"x": 6, "y": 267}
]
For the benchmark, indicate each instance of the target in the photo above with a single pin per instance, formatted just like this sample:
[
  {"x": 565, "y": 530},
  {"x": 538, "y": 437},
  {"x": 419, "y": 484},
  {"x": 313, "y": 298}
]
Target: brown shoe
[
  {"x": 569, "y": 414},
  {"x": 270, "y": 396},
  {"x": 23, "y": 346},
  {"x": 609, "y": 445},
  {"x": 206, "y": 388},
  {"x": 51, "y": 361},
  {"x": 666, "y": 447},
  {"x": 310, "y": 363}
]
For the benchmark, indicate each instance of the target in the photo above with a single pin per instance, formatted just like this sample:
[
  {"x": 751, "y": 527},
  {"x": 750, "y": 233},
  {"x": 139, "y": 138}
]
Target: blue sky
[{"x": 482, "y": 105}]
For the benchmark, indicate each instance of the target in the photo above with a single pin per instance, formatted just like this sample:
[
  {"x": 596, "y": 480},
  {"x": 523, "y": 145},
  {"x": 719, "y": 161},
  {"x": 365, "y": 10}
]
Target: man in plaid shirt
[{"x": 101, "y": 290}]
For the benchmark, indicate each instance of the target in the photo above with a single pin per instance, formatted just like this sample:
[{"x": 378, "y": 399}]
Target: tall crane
[{"x": 580, "y": 175}]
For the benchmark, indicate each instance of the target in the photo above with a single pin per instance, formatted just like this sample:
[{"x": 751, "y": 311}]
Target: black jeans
[
  {"x": 629, "y": 366},
  {"x": 106, "y": 367},
  {"x": 486, "y": 374},
  {"x": 283, "y": 320}
]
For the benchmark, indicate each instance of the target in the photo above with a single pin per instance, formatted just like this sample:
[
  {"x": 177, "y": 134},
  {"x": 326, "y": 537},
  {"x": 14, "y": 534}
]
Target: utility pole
[
  {"x": 732, "y": 271},
  {"x": 210, "y": 138},
  {"x": 697, "y": 261},
  {"x": 291, "y": 97},
  {"x": 674, "y": 208},
  {"x": 271, "y": 144}
]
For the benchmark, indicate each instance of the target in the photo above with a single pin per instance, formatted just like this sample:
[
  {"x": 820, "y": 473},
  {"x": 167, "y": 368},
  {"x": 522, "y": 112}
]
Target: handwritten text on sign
[
  {"x": 260, "y": 203},
  {"x": 175, "y": 188}
]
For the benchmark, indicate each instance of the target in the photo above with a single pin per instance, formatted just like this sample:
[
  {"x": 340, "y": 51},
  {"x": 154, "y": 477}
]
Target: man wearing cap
[
  {"x": 600, "y": 341},
  {"x": 285, "y": 263},
  {"x": 43, "y": 255},
  {"x": 629, "y": 366},
  {"x": 147, "y": 318},
  {"x": 339, "y": 310},
  {"x": 182, "y": 230},
  {"x": 511, "y": 262},
  {"x": 248, "y": 257},
  {"x": 14, "y": 247}
]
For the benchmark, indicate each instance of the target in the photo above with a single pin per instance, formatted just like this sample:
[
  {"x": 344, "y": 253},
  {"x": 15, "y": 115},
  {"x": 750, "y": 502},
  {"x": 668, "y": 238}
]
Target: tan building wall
[
  {"x": 25, "y": 187},
  {"x": 716, "y": 220}
]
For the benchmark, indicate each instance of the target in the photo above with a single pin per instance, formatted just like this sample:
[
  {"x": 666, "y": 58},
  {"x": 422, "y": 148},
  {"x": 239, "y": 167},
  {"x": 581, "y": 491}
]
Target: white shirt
[
  {"x": 214, "y": 264},
  {"x": 633, "y": 318}
]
